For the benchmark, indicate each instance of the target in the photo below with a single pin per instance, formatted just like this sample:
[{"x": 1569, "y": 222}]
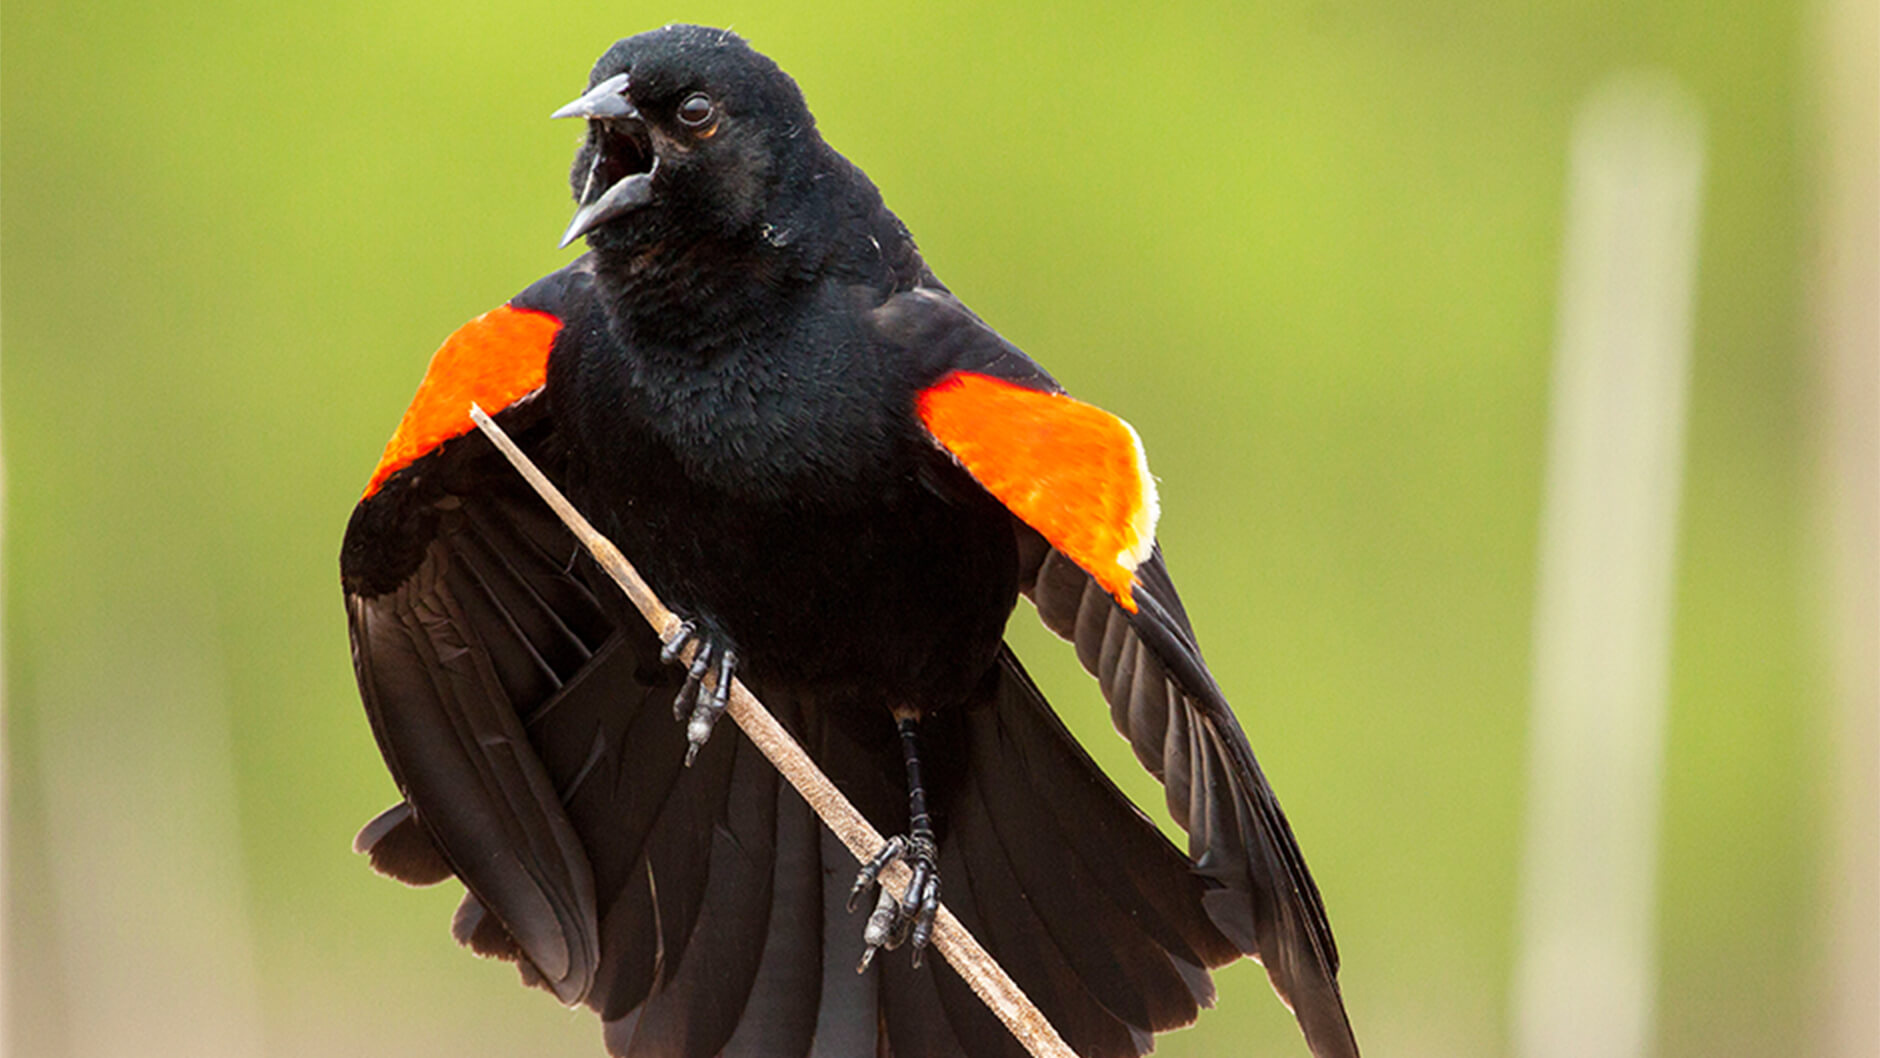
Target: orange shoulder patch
[
  {"x": 494, "y": 360},
  {"x": 1070, "y": 470}
]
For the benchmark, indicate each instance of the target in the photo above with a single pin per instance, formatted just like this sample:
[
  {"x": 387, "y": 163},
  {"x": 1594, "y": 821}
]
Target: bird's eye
[{"x": 696, "y": 111}]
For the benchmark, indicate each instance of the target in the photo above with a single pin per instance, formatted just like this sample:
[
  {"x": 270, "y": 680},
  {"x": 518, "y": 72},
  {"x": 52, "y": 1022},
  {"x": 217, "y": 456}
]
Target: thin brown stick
[{"x": 986, "y": 977}]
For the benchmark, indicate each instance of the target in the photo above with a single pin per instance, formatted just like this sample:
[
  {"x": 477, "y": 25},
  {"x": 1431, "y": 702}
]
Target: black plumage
[{"x": 730, "y": 396}]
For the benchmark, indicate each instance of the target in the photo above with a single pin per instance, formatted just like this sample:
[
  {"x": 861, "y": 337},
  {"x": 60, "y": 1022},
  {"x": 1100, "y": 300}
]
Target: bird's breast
[{"x": 763, "y": 422}]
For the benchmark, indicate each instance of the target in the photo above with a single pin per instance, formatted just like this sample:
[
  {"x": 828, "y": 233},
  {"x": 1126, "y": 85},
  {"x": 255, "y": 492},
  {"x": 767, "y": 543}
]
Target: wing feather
[
  {"x": 1135, "y": 638},
  {"x": 1164, "y": 701}
]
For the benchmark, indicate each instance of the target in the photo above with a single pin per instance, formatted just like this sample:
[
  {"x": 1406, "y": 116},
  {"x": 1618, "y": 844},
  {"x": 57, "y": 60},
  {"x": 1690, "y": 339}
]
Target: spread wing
[
  {"x": 455, "y": 662},
  {"x": 527, "y": 720},
  {"x": 1076, "y": 478},
  {"x": 470, "y": 624}
]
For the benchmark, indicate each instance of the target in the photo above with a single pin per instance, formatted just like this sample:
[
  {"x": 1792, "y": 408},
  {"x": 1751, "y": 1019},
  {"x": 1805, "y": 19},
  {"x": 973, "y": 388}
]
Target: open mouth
[
  {"x": 620, "y": 177},
  {"x": 621, "y": 149}
]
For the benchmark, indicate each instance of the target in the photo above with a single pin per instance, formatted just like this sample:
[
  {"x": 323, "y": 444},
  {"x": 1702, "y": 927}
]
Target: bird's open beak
[
  {"x": 605, "y": 100},
  {"x": 621, "y": 175}
]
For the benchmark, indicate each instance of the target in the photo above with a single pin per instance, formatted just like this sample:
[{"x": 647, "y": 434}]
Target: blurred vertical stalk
[
  {"x": 143, "y": 840},
  {"x": 1846, "y": 304},
  {"x": 1586, "y": 966}
]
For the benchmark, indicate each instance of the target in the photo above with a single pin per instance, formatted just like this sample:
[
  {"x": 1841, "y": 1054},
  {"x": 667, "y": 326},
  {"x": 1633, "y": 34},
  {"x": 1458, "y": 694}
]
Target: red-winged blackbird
[{"x": 843, "y": 479}]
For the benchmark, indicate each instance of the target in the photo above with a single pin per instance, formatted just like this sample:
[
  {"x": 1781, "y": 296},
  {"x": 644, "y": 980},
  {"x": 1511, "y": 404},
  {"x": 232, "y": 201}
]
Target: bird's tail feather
[{"x": 723, "y": 925}]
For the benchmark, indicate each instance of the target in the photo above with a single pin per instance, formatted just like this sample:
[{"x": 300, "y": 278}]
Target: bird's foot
[
  {"x": 910, "y": 918},
  {"x": 707, "y": 688}
]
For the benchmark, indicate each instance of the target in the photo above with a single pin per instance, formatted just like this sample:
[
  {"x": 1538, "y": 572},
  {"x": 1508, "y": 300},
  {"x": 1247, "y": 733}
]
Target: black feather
[
  {"x": 1164, "y": 701},
  {"x": 399, "y": 848}
]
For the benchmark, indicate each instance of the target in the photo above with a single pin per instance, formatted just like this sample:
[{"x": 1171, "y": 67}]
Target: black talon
[
  {"x": 721, "y": 685},
  {"x": 923, "y": 920},
  {"x": 871, "y": 870},
  {"x": 922, "y": 900},
  {"x": 676, "y": 643},
  {"x": 694, "y": 680},
  {"x": 911, "y": 918},
  {"x": 708, "y": 708},
  {"x": 923, "y": 877},
  {"x": 702, "y": 702},
  {"x": 883, "y": 928}
]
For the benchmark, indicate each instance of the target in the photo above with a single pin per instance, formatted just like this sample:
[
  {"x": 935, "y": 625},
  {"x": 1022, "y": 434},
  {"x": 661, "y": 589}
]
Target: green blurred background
[{"x": 1310, "y": 248}]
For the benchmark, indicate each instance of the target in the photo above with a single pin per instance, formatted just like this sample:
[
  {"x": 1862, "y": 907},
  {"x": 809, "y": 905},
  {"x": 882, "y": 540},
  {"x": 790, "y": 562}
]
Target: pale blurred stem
[{"x": 988, "y": 980}]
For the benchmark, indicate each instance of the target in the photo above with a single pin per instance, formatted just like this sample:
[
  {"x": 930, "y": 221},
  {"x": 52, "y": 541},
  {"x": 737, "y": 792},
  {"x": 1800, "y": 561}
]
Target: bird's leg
[
  {"x": 909, "y": 919},
  {"x": 713, "y": 660}
]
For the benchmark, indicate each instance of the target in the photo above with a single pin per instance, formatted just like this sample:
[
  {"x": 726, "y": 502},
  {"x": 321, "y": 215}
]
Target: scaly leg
[{"x": 909, "y": 919}]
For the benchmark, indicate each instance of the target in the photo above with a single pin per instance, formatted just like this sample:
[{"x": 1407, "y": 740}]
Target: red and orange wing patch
[
  {"x": 494, "y": 360},
  {"x": 1070, "y": 470}
]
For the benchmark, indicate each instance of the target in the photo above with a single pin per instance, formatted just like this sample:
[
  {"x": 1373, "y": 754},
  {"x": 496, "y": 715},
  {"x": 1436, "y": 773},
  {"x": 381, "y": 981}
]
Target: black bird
[{"x": 843, "y": 479}]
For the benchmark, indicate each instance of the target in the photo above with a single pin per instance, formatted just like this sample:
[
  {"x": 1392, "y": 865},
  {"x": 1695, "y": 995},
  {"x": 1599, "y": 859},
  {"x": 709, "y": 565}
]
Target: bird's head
[{"x": 689, "y": 131}]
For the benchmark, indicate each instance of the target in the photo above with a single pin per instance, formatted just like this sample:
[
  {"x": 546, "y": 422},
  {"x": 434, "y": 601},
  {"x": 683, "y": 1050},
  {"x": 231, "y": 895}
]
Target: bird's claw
[
  {"x": 909, "y": 919},
  {"x": 707, "y": 687},
  {"x": 682, "y": 635}
]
